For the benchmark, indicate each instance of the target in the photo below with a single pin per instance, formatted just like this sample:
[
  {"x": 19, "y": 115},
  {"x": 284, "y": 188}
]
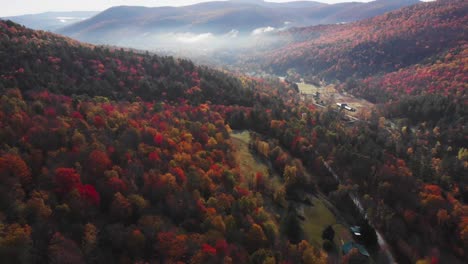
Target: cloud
[
  {"x": 192, "y": 38},
  {"x": 262, "y": 30},
  {"x": 66, "y": 19},
  {"x": 232, "y": 34}
]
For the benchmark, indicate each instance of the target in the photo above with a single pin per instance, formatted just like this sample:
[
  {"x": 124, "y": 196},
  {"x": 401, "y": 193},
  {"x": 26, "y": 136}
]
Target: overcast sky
[{"x": 21, "y": 7}]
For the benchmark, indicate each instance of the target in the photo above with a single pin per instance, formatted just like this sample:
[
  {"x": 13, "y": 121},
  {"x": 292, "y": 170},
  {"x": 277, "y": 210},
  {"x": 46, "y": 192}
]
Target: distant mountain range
[
  {"x": 118, "y": 24},
  {"x": 52, "y": 21}
]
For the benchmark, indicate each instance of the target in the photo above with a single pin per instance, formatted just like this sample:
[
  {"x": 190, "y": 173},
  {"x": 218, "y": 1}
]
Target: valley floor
[{"x": 329, "y": 95}]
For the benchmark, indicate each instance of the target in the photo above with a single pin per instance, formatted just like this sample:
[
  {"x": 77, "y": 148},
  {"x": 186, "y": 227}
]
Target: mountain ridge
[
  {"x": 221, "y": 17},
  {"x": 51, "y": 21},
  {"x": 388, "y": 42}
]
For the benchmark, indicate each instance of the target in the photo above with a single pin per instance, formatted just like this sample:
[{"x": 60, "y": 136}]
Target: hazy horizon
[
  {"x": 190, "y": 41},
  {"x": 25, "y": 7}
]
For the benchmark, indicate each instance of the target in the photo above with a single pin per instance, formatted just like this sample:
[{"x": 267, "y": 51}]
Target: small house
[{"x": 345, "y": 106}]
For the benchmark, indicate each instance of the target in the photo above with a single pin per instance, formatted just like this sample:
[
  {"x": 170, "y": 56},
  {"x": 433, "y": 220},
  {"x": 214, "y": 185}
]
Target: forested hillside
[
  {"x": 385, "y": 43},
  {"x": 41, "y": 60},
  {"x": 112, "y": 156},
  {"x": 444, "y": 74},
  {"x": 408, "y": 162}
]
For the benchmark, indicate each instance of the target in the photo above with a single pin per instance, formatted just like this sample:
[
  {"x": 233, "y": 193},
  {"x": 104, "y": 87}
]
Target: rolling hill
[
  {"x": 417, "y": 35},
  {"x": 52, "y": 21},
  {"x": 118, "y": 24},
  {"x": 111, "y": 155},
  {"x": 37, "y": 60}
]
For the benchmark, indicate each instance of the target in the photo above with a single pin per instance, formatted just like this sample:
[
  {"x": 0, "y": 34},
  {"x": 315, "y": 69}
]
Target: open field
[
  {"x": 307, "y": 88},
  {"x": 330, "y": 96},
  {"x": 318, "y": 217},
  {"x": 248, "y": 163}
]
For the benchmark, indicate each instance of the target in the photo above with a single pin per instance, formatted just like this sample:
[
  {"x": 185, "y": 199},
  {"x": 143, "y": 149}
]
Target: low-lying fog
[{"x": 200, "y": 45}]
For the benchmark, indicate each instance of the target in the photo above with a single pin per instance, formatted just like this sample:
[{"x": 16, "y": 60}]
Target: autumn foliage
[
  {"x": 109, "y": 155},
  {"x": 385, "y": 43}
]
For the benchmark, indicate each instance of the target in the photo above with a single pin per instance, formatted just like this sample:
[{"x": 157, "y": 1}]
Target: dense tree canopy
[{"x": 110, "y": 155}]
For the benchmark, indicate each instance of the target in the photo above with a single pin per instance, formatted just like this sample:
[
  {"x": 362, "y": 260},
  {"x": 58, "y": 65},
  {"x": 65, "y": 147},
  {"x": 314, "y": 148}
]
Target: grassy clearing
[
  {"x": 249, "y": 165},
  {"x": 307, "y": 88},
  {"x": 317, "y": 218}
]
